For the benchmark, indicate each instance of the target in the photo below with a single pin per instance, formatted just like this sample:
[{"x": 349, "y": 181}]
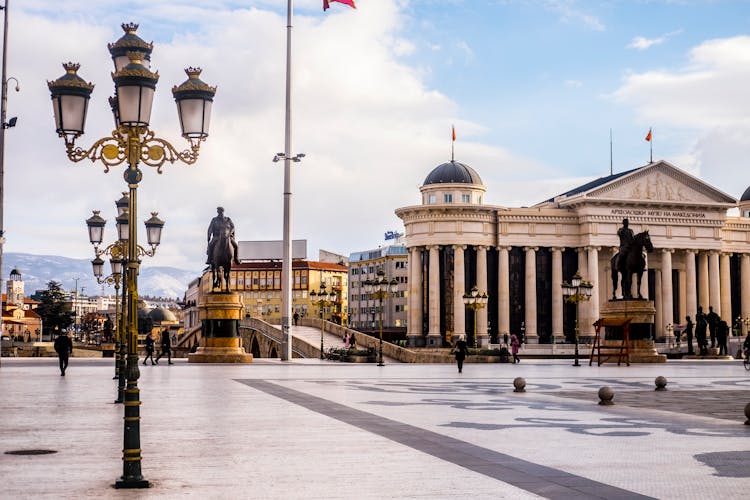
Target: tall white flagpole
[{"x": 286, "y": 266}]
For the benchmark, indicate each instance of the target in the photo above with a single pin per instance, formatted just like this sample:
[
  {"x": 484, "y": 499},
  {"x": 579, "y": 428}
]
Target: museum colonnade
[{"x": 525, "y": 296}]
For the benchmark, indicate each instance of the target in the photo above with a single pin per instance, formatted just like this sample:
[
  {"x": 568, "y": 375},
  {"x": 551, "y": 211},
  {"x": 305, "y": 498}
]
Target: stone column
[
  {"x": 482, "y": 334},
  {"x": 433, "y": 330},
  {"x": 503, "y": 291},
  {"x": 593, "y": 278},
  {"x": 659, "y": 316},
  {"x": 667, "y": 296},
  {"x": 459, "y": 289},
  {"x": 745, "y": 276},
  {"x": 414, "y": 328},
  {"x": 583, "y": 307},
  {"x": 530, "y": 299},
  {"x": 691, "y": 296},
  {"x": 714, "y": 282},
  {"x": 557, "y": 297},
  {"x": 703, "y": 299},
  {"x": 726, "y": 290}
]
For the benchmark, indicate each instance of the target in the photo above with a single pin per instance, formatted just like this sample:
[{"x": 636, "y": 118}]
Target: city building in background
[
  {"x": 20, "y": 321},
  {"x": 519, "y": 257},
  {"x": 258, "y": 279},
  {"x": 392, "y": 259}
]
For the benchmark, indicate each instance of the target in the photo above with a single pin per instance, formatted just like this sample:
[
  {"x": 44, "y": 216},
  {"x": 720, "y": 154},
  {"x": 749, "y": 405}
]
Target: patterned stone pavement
[{"x": 311, "y": 429}]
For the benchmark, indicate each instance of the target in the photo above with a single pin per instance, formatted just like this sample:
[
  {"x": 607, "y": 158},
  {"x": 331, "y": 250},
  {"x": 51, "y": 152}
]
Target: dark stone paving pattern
[
  {"x": 723, "y": 404},
  {"x": 535, "y": 478}
]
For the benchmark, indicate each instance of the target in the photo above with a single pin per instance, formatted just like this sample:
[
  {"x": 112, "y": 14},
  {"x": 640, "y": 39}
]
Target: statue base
[
  {"x": 221, "y": 350},
  {"x": 220, "y": 314},
  {"x": 641, "y": 314}
]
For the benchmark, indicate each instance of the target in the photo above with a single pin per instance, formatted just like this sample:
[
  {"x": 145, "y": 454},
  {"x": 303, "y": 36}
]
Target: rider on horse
[
  {"x": 626, "y": 241},
  {"x": 219, "y": 226}
]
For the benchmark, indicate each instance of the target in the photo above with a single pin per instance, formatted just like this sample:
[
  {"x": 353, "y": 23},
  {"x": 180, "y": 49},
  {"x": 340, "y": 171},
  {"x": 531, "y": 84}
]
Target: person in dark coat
[
  {"x": 460, "y": 350},
  {"x": 722, "y": 333},
  {"x": 700, "y": 332},
  {"x": 166, "y": 347},
  {"x": 63, "y": 348},
  {"x": 149, "y": 349},
  {"x": 514, "y": 345},
  {"x": 352, "y": 341},
  {"x": 689, "y": 334},
  {"x": 713, "y": 324}
]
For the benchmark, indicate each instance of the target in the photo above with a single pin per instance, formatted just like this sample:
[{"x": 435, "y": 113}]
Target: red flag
[
  {"x": 453, "y": 130},
  {"x": 648, "y": 136},
  {"x": 350, "y": 3}
]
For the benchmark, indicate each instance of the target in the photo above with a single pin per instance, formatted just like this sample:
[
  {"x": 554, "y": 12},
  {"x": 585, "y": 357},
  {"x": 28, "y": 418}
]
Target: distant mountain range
[{"x": 38, "y": 270}]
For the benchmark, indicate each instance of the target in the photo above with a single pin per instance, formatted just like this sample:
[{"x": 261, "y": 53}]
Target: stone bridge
[{"x": 263, "y": 340}]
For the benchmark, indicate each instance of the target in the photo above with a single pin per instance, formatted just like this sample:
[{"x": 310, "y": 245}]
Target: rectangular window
[
  {"x": 297, "y": 279},
  {"x": 432, "y": 199},
  {"x": 256, "y": 280},
  {"x": 465, "y": 198},
  {"x": 447, "y": 198},
  {"x": 240, "y": 281},
  {"x": 277, "y": 280},
  {"x": 262, "y": 280}
]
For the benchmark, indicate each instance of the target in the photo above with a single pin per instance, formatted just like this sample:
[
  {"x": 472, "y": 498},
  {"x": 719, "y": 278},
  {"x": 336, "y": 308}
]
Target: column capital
[
  {"x": 667, "y": 250},
  {"x": 592, "y": 247},
  {"x": 481, "y": 247},
  {"x": 456, "y": 247},
  {"x": 433, "y": 247},
  {"x": 507, "y": 248},
  {"x": 690, "y": 251},
  {"x": 527, "y": 249},
  {"x": 556, "y": 249}
]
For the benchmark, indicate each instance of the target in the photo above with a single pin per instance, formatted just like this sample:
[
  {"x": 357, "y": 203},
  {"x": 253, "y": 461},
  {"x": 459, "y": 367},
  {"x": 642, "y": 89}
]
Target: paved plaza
[{"x": 327, "y": 430}]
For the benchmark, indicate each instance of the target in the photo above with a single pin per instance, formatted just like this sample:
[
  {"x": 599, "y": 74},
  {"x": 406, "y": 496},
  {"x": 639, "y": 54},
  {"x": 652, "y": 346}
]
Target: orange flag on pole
[
  {"x": 453, "y": 131},
  {"x": 648, "y": 136},
  {"x": 326, "y": 3}
]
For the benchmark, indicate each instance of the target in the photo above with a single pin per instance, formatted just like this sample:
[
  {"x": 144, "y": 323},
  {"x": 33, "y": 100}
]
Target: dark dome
[
  {"x": 453, "y": 172},
  {"x": 161, "y": 315},
  {"x": 15, "y": 273},
  {"x": 746, "y": 195}
]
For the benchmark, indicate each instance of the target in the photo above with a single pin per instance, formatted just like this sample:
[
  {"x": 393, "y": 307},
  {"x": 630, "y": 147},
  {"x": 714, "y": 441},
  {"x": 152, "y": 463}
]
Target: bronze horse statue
[
  {"x": 632, "y": 262},
  {"x": 221, "y": 258}
]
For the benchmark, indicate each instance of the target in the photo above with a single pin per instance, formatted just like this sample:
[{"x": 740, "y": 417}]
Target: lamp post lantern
[
  {"x": 131, "y": 143},
  {"x": 575, "y": 292},
  {"x": 475, "y": 301},
  {"x": 381, "y": 288},
  {"x": 323, "y": 299}
]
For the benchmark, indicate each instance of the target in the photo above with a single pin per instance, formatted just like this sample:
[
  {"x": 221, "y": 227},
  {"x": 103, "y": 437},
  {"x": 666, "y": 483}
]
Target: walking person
[
  {"x": 514, "y": 345},
  {"x": 63, "y": 348},
  {"x": 346, "y": 340},
  {"x": 296, "y": 318},
  {"x": 166, "y": 347},
  {"x": 352, "y": 341},
  {"x": 722, "y": 333},
  {"x": 689, "y": 334},
  {"x": 460, "y": 350},
  {"x": 713, "y": 325},
  {"x": 149, "y": 349}
]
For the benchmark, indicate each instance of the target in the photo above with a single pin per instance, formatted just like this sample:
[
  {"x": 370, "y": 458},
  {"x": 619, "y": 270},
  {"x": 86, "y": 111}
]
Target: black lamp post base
[{"x": 131, "y": 483}]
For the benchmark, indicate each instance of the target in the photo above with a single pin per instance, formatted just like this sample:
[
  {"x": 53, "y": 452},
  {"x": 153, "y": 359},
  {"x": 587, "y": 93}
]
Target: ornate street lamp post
[
  {"x": 575, "y": 292},
  {"x": 323, "y": 299},
  {"x": 132, "y": 143},
  {"x": 381, "y": 288},
  {"x": 475, "y": 301}
]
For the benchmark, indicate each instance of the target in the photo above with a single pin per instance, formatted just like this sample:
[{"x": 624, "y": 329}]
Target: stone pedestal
[
  {"x": 220, "y": 314},
  {"x": 641, "y": 315}
]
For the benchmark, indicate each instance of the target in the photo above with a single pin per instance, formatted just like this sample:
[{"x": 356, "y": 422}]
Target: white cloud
[
  {"x": 708, "y": 97},
  {"x": 370, "y": 127},
  {"x": 570, "y": 12},
  {"x": 643, "y": 43}
]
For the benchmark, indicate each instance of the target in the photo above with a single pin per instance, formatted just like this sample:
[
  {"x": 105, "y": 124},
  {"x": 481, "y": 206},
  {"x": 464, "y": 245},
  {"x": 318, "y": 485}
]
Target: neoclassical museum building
[{"x": 520, "y": 257}]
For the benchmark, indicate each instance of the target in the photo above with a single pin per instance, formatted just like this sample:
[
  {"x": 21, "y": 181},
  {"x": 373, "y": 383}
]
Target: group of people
[
  {"x": 707, "y": 327},
  {"x": 166, "y": 348},
  {"x": 461, "y": 349}
]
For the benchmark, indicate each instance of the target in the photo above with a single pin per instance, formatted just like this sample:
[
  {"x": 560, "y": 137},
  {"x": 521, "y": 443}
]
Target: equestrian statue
[
  {"x": 222, "y": 249},
  {"x": 629, "y": 260}
]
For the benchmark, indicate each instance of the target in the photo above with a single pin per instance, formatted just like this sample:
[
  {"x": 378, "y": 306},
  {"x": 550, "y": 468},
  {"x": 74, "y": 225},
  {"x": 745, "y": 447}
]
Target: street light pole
[
  {"x": 132, "y": 143},
  {"x": 382, "y": 289},
  {"x": 475, "y": 301},
  {"x": 575, "y": 292},
  {"x": 323, "y": 300}
]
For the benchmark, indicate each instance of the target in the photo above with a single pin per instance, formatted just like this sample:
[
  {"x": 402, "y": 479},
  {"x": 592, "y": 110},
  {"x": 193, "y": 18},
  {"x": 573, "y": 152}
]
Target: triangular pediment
[{"x": 659, "y": 182}]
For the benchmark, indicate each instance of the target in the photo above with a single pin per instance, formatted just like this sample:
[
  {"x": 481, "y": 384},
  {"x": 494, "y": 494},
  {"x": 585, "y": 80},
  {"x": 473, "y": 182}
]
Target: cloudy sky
[{"x": 533, "y": 88}]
